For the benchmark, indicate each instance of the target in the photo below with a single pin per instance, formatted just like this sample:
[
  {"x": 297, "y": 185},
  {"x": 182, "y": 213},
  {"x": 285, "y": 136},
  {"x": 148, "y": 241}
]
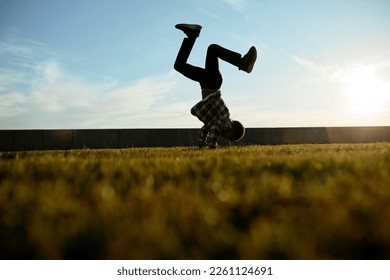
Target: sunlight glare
[{"x": 366, "y": 92}]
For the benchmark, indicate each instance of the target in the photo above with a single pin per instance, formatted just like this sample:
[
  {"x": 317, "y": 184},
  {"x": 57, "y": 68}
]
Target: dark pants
[{"x": 208, "y": 77}]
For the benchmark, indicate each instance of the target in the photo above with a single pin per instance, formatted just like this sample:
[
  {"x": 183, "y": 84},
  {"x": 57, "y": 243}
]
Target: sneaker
[
  {"x": 191, "y": 30},
  {"x": 248, "y": 61}
]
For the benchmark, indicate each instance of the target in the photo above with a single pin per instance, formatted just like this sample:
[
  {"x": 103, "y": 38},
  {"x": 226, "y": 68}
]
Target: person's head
[{"x": 235, "y": 133}]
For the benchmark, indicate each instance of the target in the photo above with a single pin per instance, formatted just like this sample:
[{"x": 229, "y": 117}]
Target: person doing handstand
[{"x": 212, "y": 110}]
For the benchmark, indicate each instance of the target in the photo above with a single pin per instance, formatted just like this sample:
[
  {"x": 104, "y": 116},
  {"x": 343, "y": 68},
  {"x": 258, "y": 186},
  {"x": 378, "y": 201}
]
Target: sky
[{"x": 81, "y": 64}]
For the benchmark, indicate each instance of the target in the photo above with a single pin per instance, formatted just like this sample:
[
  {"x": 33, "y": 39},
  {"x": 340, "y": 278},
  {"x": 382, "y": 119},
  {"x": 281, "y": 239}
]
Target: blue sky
[{"x": 109, "y": 63}]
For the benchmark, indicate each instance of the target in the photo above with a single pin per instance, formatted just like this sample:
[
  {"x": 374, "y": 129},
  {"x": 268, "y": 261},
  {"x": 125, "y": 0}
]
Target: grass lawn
[{"x": 328, "y": 201}]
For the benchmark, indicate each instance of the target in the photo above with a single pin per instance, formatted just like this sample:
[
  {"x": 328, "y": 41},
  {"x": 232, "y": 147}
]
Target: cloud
[
  {"x": 237, "y": 5},
  {"x": 134, "y": 105},
  {"x": 19, "y": 59},
  {"x": 58, "y": 99},
  {"x": 338, "y": 70},
  {"x": 37, "y": 91},
  {"x": 24, "y": 54},
  {"x": 328, "y": 69}
]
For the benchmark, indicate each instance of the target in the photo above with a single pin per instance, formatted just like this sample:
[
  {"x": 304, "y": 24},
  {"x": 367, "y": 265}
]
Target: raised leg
[
  {"x": 215, "y": 51},
  {"x": 192, "y": 72}
]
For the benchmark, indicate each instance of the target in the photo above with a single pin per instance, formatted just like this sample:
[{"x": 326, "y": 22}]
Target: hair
[{"x": 238, "y": 130}]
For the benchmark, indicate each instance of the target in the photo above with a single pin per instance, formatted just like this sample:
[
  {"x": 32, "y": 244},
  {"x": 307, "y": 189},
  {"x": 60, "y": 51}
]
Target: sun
[{"x": 366, "y": 92}]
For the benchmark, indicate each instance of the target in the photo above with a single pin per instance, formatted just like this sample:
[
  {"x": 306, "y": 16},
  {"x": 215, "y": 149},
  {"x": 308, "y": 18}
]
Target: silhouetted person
[{"x": 212, "y": 110}]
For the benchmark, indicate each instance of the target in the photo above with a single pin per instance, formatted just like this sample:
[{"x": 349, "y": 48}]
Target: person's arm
[
  {"x": 213, "y": 136},
  {"x": 216, "y": 130},
  {"x": 203, "y": 133}
]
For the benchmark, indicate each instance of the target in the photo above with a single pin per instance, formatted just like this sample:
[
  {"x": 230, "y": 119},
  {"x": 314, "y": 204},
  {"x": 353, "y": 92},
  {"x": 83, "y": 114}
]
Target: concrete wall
[{"x": 15, "y": 140}]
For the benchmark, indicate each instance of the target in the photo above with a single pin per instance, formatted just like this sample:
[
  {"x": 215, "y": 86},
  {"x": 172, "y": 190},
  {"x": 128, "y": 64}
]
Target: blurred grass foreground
[{"x": 326, "y": 201}]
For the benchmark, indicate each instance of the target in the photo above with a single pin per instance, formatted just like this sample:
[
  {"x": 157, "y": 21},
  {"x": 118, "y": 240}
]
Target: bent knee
[
  {"x": 213, "y": 47},
  {"x": 177, "y": 66}
]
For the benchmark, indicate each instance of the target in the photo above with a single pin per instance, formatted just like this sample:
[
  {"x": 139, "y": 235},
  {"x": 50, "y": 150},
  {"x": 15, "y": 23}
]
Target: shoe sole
[
  {"x": 254, "y": 57},
  {"x": 193, "y": 27}
]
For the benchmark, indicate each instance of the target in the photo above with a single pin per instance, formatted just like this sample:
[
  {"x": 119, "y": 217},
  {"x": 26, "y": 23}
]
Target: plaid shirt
[{"x": 212, "y": 111}]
